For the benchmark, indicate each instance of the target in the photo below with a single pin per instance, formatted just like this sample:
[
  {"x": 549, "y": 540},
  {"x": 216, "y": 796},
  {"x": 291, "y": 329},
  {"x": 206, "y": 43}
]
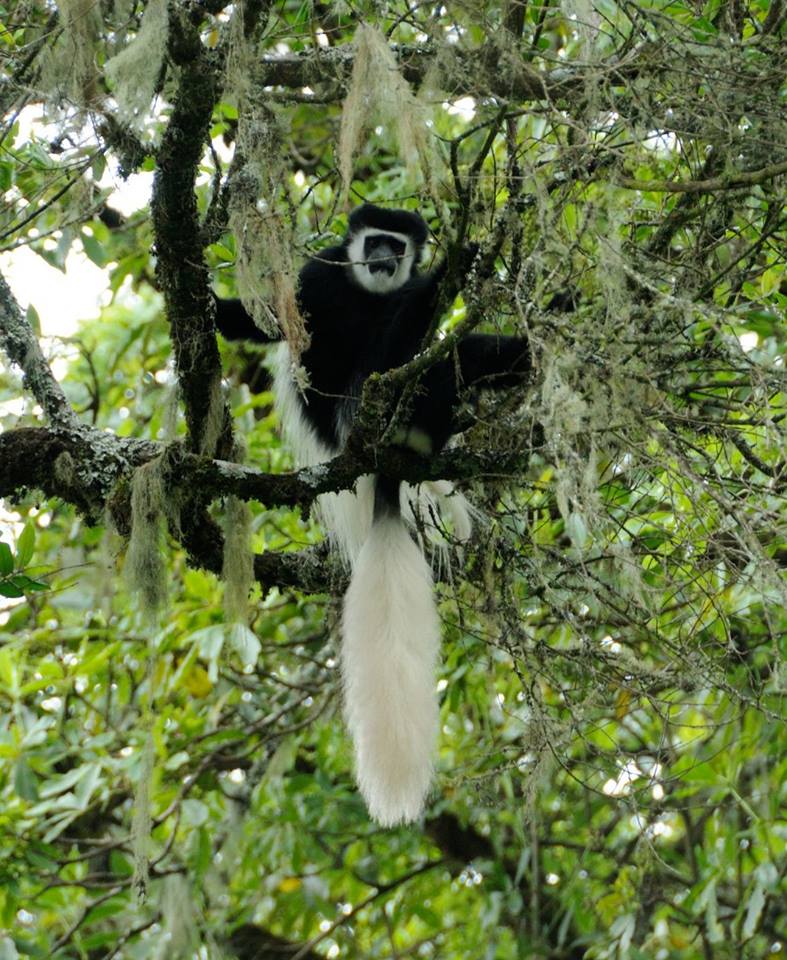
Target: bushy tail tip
[{"x": 390, "y": 647}]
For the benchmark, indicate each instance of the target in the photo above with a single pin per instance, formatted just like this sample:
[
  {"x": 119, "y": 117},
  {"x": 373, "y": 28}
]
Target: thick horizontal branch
[
  {"x": 220, "y": 478},
  {"x": 728, "y": 181},
  {"x": 85, "y": 468},
  {"x": 484, "y": 71},
  {"x": 88, "y": 469},
  {"x": 79, "y": 466}
]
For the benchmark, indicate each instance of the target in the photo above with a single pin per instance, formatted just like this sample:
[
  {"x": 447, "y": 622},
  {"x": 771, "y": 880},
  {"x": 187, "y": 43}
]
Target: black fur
[
  {"x": 398, "y": 221},
  {"x": 355, "y": 333}
]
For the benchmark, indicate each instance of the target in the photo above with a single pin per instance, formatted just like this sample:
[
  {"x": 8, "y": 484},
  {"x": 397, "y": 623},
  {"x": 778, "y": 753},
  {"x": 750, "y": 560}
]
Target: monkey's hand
[{"x": 234, "y": 323}]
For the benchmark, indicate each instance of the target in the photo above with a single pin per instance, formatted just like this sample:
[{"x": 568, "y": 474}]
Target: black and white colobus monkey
[{"x": 367, "y": 309}]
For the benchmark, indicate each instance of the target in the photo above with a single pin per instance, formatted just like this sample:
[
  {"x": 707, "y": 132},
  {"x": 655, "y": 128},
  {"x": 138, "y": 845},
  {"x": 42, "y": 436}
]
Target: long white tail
[{"x": 390, "y": 646}]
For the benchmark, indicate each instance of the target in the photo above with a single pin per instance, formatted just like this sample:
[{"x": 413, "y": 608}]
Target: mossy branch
[
  {"x": 459, "y": 72},
  {"x": 22, "y": 347},
  {"x": 726, "y": 181}
]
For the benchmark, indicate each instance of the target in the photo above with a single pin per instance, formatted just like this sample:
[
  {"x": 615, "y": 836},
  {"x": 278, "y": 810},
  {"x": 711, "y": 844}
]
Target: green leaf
[
  {"x": 33, "y": 319},
  {"x": 6, "y": 558},
  {"x": 25, "y": 545},
  {"x": 427, "y": 915},
  {"x": 210, "y": 640},
  {"x": 111, "y": 908},
  {"x": 91, "y": 664},
  {"x": 25, "y": 781},
  {"x": 87, "y": 784},
  {"x": 753, "y": 911},
  {"x": 195, "y": 812},
  {"x": 180, "y": 675},
  {"x": 27, "y": 584},
  {"x": 8, "y": 671},
  {"x": 7, "y": 589},
  {"x": 99, "y": 166},
  {"x": 59, "y": 824},
  {"x": 94, "y": 250},
  {"x": 222, "y": 252},
  {"x": 6, "y": 176},
  {"x": 203, "y": 852},
  {"x": 577, "y": 530},
  {"x": 61, "y": 784}
]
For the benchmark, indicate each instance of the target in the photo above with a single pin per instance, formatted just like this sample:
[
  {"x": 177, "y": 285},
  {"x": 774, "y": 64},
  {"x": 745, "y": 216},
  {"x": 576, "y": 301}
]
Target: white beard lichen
[
  {"x": 264, "y": 239},
  {"x": 145, "y": 569},
  {"x": 141, "y": 821},
  {"x": 379, "y": 92},
  {"x": 238, "y": 567},
  {"x": 134, "y": 72},
  {"x": 69, "y": 65}
]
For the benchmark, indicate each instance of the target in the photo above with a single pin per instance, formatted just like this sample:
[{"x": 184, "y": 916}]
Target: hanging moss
[
  {"x": 146, "y": 573},
  {"x": 134, "y": 72},
  {"x": 214, "y": 422},
  {"x": 264, "y": 272},
  {"x": 238, "y": 568},
  {"x": 379, "y": 93},
  {"x": 68, "y": 67},
  {"x": 591, "y": 387},
  {"x": 179, "y": 917},
  {"x": 238, "y": 561},
  {"x": 145, "y": 568},
  {"x": 141, "y": 822}
]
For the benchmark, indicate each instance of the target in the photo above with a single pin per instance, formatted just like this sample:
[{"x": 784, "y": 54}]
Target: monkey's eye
[{"x": 393, "y": 247}]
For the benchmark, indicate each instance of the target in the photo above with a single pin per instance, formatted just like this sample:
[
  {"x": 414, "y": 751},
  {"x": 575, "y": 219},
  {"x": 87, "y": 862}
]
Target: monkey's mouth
[{"x": 382, "y": 266}]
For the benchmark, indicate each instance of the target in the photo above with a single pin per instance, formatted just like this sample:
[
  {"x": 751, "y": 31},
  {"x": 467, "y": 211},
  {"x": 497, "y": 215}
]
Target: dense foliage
[{"x": 611, "y": 769}]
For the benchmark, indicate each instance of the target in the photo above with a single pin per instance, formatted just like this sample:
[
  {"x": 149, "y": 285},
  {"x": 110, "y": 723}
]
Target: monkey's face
[
  {"x": 382, "y": 253},
  {"x": 380, "y": 262}
]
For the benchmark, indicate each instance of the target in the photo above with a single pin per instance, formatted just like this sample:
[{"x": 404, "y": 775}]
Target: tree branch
[
  {"x": 78, "y": 466},
  {"x": 86, "y": 468},
  {"x": 462, "y": 844},
  {"x": 477, "y": 72},
  {"x": 181, "y": 268},
  {"x": 252, "y": 942},
  {"x": 223, "y": 478},
  {"x": 23, "y": 349},
  {"x": 727, "y": 181}
]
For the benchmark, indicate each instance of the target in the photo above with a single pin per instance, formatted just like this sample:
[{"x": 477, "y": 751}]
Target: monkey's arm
[
  {"x": 234, "y": 323},
  {"x": 488, "y": 361},
  {"x": 481, "y": 361},
  {"x": 414, "y": 319},
  {"x": 425, "y": 290}
]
